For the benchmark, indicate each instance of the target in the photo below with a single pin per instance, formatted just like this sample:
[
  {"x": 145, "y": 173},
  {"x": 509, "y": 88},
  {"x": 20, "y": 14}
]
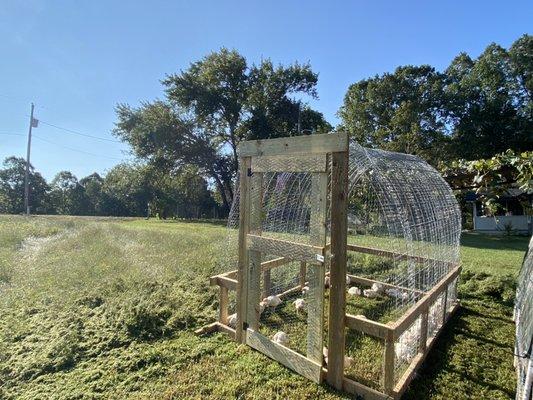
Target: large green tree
[
  {"x": 12, "y": 188},
  {"x": 212, "y": 106},
  {"x": 474, "y": 109}
]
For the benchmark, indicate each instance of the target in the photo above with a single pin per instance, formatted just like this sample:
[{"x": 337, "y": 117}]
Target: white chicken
[
  {"x": 377, "y": 287},
  {"x": 232, "y": 320},
  {"x": 272, "y": 301},
  {"x": 348, "y": 280},
  {"x": 354, "y": 291},
  {"x": 262, "y": 306},
  {"x": 371, "y": 294},
  {"x": 281, "y": 338},
  {"x": 299, "y": 304},
  {"x": 305, "y": 289},
  {"x": 348, "y": 361},
  {"x": 326, "y": 282}
]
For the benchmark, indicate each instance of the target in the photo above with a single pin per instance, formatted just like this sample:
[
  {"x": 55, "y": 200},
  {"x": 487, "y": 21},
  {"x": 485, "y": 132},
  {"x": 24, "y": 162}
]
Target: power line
[
  {"x": 73, "y": 149},
  {"x": 78, "y": 133},
  {"x": 12, "y": 134}
]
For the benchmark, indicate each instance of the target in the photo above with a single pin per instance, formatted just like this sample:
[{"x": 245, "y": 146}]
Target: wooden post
[
  {"x": 423, "y": 331},
  {"x": 388, "y": 365},
  {"x": 337, "y": 291},
  {"x": 444, "y": 304},
  {"x": 223, "y": 306},
  {"x": 302, "y": 274},
  {"x": 254, "y": 256},
  {"x": 244, "y": 229},
  {"x": 265, "y": 291},
  {"x": 316, "y": 272}
]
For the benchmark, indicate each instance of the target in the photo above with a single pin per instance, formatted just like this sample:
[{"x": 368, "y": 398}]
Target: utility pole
[{"x": 27, "y": 175}]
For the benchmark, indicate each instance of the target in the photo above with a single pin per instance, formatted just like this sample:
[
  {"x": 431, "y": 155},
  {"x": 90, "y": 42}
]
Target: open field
[{"x": 106, "y": 308}]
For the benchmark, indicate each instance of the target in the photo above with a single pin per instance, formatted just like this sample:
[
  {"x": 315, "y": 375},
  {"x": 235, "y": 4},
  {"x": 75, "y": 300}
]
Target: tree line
[
  {"x": 475, "y": 108},
  {"x": 126, "y": 190}
]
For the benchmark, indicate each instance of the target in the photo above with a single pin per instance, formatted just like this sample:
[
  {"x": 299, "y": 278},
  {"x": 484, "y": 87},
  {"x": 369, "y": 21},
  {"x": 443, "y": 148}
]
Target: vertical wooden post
[
  {"x": 337, "y": 291},
  {"x": 244, "y": 229},
  {"x": 388, "y": 365},
  {"x": 254, "y": 272},
  {"x": 423, "y": 331},
  {"x": 316, "y": 272},
  {"x": 223, "y": 306},
  {"x": 302, "y": 274},
  {"x": 267, "y": 283},
  {"x": 444, "y": 305}
]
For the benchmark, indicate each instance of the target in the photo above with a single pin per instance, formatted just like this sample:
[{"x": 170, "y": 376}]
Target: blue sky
[{"x": 77, "y": 60}]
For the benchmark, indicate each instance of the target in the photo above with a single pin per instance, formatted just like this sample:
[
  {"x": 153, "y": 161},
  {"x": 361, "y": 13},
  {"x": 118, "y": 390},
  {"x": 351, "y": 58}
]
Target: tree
[
  {"x": 213, "y": 105},
  {"x": 474, "y": 109},
  {"x": 399, "y": 112},
  {"x": 67, "y": 195},
  {"x": 92, "y": 185},
  {"x": 12, "y": 188}
]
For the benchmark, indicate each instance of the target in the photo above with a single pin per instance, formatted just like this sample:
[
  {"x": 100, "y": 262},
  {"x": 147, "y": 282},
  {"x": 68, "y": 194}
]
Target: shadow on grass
[
  {"x": 494, "y": 242},
  {"x": 462, "y": 353}
]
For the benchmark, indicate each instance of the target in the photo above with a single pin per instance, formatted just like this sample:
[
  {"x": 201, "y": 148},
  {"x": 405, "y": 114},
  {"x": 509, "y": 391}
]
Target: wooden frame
[{"x": 315, "y": 154}]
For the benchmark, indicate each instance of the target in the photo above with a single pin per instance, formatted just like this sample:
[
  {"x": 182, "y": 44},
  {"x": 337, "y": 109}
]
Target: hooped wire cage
[
  {"x": 523, "y": 315},
  {"x": 347, "y": 261}
]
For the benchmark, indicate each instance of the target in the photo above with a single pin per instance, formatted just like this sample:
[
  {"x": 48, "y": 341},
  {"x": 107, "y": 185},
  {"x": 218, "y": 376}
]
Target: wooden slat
[
  {"x": 316, "y": 274},
  {"x": 392, "y": 254},
  {"x": 368, "y": 326},
  {"x": 223, "y": 305},
  {"x": 362, "y": 391},
  {"x": 291, "y": 359},
  {"x": 244, "y": 229},
  {"x": 276, "y": 262},
  {"x": 302, "y": 279},
  {"x": 295, "y": 163},
  {"x": 422, "y": 345},
  {"x": 418, "y": 360},
  {"x": 413, "y": 313},
  {"x": 325, "y": 143},
  {"x": 369, "y": 282},
  {"x": 337, "y": 292},
  {"x": 220, "y": 280},
  {"x": 291, "y": 250},
  {"x": 215, "y": 327}
]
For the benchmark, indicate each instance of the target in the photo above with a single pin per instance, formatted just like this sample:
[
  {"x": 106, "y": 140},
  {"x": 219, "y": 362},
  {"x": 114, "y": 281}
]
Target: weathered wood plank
[
  {"x": 363, "y": 391},
  {"x": 276, "y": 262},
  {"x": 302, "y": 274},
  {"x": 291, "y": 359},
  {"x": 368, "y": 326},
  {"x": 325, "y": 143},
  {"x": 422, "y": 345},
  {"x": 291, "y": 250},
  {"x": 337, "y": 292},
  {"x": 316, "y": 273},
  {"x": 295, "y": 163},
  {"x": 244, "y": 229},
  {"x": 219, "y": 280}
]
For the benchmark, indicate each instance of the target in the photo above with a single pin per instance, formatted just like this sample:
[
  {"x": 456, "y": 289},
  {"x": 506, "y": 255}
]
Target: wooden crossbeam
[
  {"x": 367, "y": 326},
  {"x": 285, "y": 248},
  {"x": 295, "y": 163}
]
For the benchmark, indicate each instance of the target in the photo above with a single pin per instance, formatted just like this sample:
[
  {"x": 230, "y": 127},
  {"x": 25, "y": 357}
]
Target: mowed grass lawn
[{"x": 105, "y": 308}]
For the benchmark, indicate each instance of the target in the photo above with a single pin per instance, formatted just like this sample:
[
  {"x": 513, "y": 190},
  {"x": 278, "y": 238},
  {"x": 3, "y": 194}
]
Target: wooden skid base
[{"x": 215, "y": 327}]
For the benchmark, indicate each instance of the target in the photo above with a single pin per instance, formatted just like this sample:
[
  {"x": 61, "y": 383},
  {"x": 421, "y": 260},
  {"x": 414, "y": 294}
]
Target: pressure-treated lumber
[
  {"x": 337, "y": 293},
  {"x": 414, "y": 312},
  {"x": 223, "y": 305},
  {"x": 325, "y": 143},
  {"x": 316, "y": 273},
  {"x": 363, "y": 391},
  {"x": 254, "y": 256},
  {"x": 388, "y": 365},
  {"x": 369, "y": 282},
  {"x": 295, "y": 163},
  {"x": 368, "y": 326},
  {"x": 244, "y": 229},
  {"x": 418, "y": 360},
  {"x": 220, "y": 280},
  {"x": 285, "y": 248},
  {"x": 392, "y": 254},
  {"x": 291, "y": 359}
]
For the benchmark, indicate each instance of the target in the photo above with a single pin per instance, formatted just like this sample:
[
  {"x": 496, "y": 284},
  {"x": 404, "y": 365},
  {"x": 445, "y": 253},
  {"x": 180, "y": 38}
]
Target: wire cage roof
[{"x": 397, "y": 203}]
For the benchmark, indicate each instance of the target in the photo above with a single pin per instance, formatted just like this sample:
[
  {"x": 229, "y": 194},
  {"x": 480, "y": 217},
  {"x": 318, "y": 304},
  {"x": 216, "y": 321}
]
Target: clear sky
[{"x": 77, "y": 59}]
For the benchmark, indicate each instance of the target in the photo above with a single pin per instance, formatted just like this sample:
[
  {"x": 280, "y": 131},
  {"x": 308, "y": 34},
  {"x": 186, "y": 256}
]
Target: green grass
[{"x": 105, "y": 308}]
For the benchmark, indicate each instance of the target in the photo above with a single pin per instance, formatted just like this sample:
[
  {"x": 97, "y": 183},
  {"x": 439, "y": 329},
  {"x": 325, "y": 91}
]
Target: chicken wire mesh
[
  {"x": 524, "y": 328},
  {"x": 399, "y": 206}
]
